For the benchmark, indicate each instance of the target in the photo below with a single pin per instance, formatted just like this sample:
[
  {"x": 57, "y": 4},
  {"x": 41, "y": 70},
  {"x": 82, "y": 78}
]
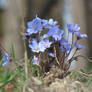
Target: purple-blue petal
[
  {"x": 73, "y": 28},
  {"x": 78, "y": 46},
  {"x": 6, "y": 59},
  {"x": 36, "y": 60},
  {"x": 79, "y": 35},
  {"x": 51, "y": 54}
]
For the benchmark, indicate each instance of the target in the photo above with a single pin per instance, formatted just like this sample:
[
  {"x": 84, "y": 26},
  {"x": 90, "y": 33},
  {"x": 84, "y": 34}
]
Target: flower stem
[
  {"x": 55, "y": 51},
  {"x": 62, "y": 65}
]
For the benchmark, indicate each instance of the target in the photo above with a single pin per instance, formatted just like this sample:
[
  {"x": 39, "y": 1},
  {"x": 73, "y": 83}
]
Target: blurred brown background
[{"x": 12, "y": 13}]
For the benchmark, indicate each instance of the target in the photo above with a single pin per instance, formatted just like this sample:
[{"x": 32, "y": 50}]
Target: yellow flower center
[
  {"x": 36, "y": 48},
  {"x": 57, "y": 32},
  {"x": 73, "y": 29},
  {"x": 46, "y": 45},
  {"x": 35, "y": 27}
]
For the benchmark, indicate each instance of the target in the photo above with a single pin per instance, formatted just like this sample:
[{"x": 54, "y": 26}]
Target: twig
[{"x": 85, "y": 74}]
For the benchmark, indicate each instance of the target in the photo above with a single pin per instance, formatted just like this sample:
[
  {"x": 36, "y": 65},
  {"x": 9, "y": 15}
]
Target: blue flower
[
  {"x": 34, "y": 46},
  {"x": 45, "y": 43},
  {"x": 56, "y": 33},
  {"x": 36, "y": 60},
  {"x": 50, "y": 23},
  {"x": 72, "y": 28},
  {"x": 64, "y": 45},
  {"x": 37, "y": 47},
  {"x": 51, "y": 54},
  {"x": 34, "y": 26},
  {"x": 78, "y": 46},
  {"x": 63, "y": 41},
  {"x": 44, "y": 23},
  {"x": 6, "y": 59},
  {"x": 65, "y": 48},
  {"x": 45, "y": 36},
  {"x": 80, "y": 36}
]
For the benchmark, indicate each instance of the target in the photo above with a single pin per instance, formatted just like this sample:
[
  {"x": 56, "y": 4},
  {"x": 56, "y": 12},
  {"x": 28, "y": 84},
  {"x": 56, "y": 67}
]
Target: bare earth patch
[{"x": 52, "y": 84}]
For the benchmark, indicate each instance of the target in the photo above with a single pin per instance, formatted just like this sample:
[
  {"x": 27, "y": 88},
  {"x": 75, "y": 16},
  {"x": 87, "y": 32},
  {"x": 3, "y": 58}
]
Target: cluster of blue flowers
[
  {"x": 52, "y": 35},
  {"x": 48, "y": 34}
]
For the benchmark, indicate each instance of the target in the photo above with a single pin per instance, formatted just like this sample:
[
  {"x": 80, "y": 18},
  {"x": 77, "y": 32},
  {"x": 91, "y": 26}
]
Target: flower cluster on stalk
[{"x": 48, "y": 34}]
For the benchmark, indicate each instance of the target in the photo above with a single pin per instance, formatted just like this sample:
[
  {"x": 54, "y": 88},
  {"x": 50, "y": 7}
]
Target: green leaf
[
  {"x": 13, "y": 56},
  {"x": 89, "y": 81},
  {"x": 1, "y": 61},
  {"x": 9, "y": 78}
]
